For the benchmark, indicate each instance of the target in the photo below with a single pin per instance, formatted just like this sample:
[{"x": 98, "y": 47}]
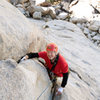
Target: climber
[{"x": 55, "y": 62}]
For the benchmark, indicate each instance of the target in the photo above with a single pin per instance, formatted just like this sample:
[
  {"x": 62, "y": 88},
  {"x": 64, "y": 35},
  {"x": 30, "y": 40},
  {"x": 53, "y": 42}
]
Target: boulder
[
  {"x": 86, "y": 31},
  {"x": 45, "y": 4},
  {"x": 19, "y": 5},
  {"x": 16, "y": 83},
  {"x": 17, "y": 34},
  {"x": 79, "y": 25},
  {"x": 62, "y": 16},
  {"x": 44, "y": 10},
  {"x": 15, "y": 2},
  {"x": 42, "y": 79},
  {"x": 37, "y": 15},
  {"x": 21, "y": 8},
  {"x": 96, "y": 37},
  {"x": 52, "y": 12},
  {"x": 78, "y": 20},
  {"x": 93, "y": 33},
  {"x": 32, "y": 2},
  {"x": 24, "y": 81},
  {"x": 31, "y": 10},
  {"x": 65, "y": 4},
  {"x": 94, "y": 25}
]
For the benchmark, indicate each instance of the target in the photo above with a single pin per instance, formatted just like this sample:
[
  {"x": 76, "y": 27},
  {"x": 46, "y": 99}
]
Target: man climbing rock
[{"x": 55, "y": 63}]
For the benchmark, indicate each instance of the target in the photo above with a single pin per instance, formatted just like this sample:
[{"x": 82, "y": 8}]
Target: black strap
[{"x": 55, "y": 62}]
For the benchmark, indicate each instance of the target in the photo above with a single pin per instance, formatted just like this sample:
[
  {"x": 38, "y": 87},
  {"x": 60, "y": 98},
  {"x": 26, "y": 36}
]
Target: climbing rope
[{"x": 44, "y": 91}]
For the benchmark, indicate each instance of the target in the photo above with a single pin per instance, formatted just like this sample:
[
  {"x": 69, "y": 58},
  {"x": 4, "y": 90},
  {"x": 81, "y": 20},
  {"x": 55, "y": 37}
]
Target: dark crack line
[
  {"x": 79, "y": 76},
  {"x": 75, "y": 73}
]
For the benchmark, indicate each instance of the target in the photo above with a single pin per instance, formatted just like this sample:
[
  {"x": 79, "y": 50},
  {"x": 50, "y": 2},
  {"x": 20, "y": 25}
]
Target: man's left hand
[{"x": 59, "y": 91}]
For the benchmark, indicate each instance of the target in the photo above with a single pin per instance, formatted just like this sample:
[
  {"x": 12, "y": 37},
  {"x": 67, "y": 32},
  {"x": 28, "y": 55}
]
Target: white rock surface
[
  {"x": 16, "y": 83},
  {"x": 36, "y": 2},
  {"x": 82, "y": 56},
  {"x": 17, "y": 34},
  {"x": 82, "y": 10},
  {"x": 39, "y": 1},
  {"x": 24, "y": 81},
  {"x": 43, "y": 10},
  {"x": 42, "y": 80}
]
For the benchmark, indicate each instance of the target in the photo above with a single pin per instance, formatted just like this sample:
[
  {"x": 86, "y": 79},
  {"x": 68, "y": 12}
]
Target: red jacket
[{"x": 61, "y": 66}]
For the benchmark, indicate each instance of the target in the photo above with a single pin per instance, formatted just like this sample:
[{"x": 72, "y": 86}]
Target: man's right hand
[{"x": 23, "y": 58}]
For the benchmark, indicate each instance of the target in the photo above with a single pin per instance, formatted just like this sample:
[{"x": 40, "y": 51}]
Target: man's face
[{"x": 51, "y": 54}]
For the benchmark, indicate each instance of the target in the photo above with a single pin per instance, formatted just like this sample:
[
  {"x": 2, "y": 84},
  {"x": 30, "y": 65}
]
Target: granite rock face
[
  {"x": 17, "y": 34},
  {"x": 23, "y": 81}
]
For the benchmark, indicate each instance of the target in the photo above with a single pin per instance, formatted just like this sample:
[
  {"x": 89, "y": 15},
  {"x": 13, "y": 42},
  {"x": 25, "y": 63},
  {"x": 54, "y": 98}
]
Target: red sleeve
[
  {"x": 42, "y": 54},
  {"x": 64, "y": 65},
  {"x": 65, "y": 68}
]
